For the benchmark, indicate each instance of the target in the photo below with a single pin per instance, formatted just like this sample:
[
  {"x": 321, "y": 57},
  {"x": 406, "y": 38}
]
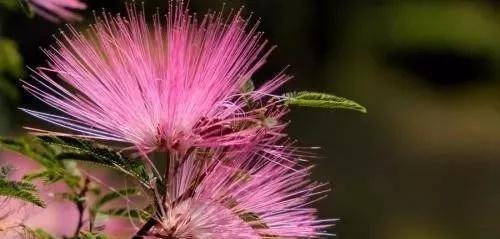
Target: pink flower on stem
[
  {"x": 174, "y": 85},
  {"x": 57, "y": 10},
  {"x": 240, "y": 195}
]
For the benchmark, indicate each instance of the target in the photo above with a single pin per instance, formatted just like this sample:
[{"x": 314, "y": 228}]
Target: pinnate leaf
[
  {"x": 24, "y": 191},
  {"x": 91, "y": 235},
  {"x": 40, "y": 234},
  {"x": 53, "y": 170},
  {"x": 88, "y": 151},
  {"x": 321, "y": 100}
]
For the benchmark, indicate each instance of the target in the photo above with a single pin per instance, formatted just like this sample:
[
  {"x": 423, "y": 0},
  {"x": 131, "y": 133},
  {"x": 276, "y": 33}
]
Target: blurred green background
[{"x": 424, "y": 163}]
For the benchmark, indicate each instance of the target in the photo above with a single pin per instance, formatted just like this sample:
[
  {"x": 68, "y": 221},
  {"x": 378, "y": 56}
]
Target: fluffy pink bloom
[
  {"x": 57, "y": 10},
  {"x": 240, "y": 195},
  {"x": 174, "y": 85}
]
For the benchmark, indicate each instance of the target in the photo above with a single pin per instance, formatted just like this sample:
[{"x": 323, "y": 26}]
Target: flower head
[
  {"x": 240, "y": 195},
  {"x": 57, "y": 10},
  {"x": 174, "y": 85}
]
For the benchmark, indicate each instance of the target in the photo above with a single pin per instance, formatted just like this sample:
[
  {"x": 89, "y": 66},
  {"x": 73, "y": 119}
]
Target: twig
[
  {"x": 81, "y": 204},
  {"x": 145, "y": 229}
]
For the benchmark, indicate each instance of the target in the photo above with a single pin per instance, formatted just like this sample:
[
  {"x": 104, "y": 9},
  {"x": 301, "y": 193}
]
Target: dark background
[{"x": 424, "y": 162}]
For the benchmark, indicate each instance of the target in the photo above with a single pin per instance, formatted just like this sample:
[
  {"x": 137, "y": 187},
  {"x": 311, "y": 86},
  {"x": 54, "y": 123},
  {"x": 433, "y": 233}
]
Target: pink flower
[
  {"x": 57, "y": 10},
  {"x": 240, "y": 196},
  {"x": 174, "y": 85}
]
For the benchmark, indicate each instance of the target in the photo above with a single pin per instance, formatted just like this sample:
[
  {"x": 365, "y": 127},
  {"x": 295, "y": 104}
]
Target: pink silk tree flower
[
  {"x": 240, "y": 196},
  {"x": 173, "y": 85},
  {"x": 58, "y": 10}
]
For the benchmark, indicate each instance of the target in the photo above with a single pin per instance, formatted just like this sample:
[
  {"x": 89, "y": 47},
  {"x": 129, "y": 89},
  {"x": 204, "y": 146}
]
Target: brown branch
[
  {"x": 81, "y": 205},
  {"x": 145, "y": 229}
]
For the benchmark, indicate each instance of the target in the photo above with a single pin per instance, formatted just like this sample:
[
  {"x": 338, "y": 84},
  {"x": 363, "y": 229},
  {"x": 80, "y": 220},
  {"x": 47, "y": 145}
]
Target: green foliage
[
  {"x": 40, "y": 234},
  {"x": 11, "y": 66},
  {"x": 53, "y": 170},
  {"x": 90, "y": 235},
  {"x": 56, "y": 155},
  {"x": 321, "y": 100},
  {"x": 21, "y": 190},
  {"x": 13, "y": 5},
  {"x": 11, "y": 61},
  {"x": 9, "y": 4},
  {"x": 90, "y": 152}
]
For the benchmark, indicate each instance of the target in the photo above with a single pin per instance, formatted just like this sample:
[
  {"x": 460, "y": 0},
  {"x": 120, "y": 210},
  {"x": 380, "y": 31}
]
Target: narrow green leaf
[
  {"x": 321, "y": 100},
  {"x": 91, "y": 235},
  {"x": 11, "y": 61},
  {"x": 21, "y": 190},
  {"x": 40, "y": 234},
  {"x": 27, "y": 8},
  {"x": 18, "y": 4}
]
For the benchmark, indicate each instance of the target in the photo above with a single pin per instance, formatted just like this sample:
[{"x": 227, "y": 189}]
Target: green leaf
[
  {"x": 88, "y": 151},
  {"x": 11, "y": 61},
  {"x": 27, "y": 8},
  {"x": 21, "y": 190},
  {"x": 18, "y": 4},
  {"x": 31, "y": 148},
  {"x": 40, "y": 234},
  {"x": 10, "y": 4},
  {"x": 91, "y": 235},
  {"x": 321, "y": 100}
]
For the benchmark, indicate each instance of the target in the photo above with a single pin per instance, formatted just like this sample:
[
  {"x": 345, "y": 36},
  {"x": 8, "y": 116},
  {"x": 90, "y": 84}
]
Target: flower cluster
[
  {"x": 182, "y": 87},
  {"x": 167, "y": 87},
  {"x": 240, "y": 196}
]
